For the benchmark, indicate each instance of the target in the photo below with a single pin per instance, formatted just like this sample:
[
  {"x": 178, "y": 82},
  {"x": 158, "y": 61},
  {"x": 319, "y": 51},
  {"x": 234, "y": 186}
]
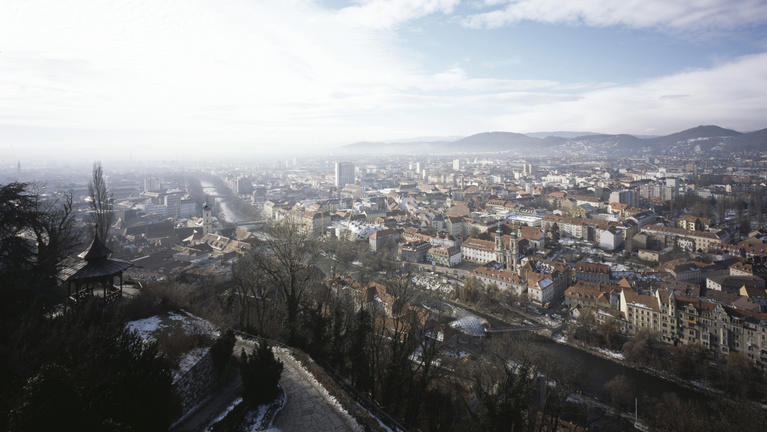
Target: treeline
[{"x": 746, "y": 207}]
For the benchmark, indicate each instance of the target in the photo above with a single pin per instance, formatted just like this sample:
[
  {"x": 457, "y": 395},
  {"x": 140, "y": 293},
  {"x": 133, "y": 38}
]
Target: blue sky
[{"x": 249, "y": 76}]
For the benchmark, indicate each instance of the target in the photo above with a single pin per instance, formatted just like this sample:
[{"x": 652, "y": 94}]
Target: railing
[{"x": 515, "y": 329}]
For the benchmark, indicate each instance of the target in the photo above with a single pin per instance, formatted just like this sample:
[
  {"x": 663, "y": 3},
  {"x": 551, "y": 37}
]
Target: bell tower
[
  {"x": 207, "y": 219},
  {"x": 500, "y": 256},
  {"x": 512, "y": 263}
]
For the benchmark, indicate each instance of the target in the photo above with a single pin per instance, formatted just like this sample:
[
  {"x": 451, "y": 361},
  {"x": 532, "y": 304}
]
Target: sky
[{"x": 93, "y": 78}]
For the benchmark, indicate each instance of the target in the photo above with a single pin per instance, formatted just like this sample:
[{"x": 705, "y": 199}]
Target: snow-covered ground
[
  {"x": 149, "y": 328},
  {"x": 608, "y": 353},
  {"x": 192, "y": 324},
  {"x": 432, "y": 284}
]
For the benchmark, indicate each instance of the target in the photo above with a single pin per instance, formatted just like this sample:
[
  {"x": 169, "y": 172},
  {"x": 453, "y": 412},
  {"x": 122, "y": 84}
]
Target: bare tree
[
  {"x": 287, "y": 262},
  {"x": 254, "y": 295},
  {"x": 101, "y": 202}
]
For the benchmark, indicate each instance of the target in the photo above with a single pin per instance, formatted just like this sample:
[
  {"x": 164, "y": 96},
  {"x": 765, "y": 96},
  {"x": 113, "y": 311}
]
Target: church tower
[
  {"x": 512, "y": 263},
  {"x": 500, "y": 256},
  {"x": 207, "y": 219}
]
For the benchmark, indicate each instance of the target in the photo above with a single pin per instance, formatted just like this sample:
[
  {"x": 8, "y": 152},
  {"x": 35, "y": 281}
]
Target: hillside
[{"x": 709, "y": 139}]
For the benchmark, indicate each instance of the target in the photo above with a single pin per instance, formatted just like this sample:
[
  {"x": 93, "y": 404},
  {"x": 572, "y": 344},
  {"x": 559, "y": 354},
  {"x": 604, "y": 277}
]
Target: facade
[
  {"x": 540, "y": 288},
  {"x": 344, "y": 174},
  {"x": 559, "y": 272},
  {"x": 592, "y": 272},
  {"x": 444, "y": 256},
  {"x": 628, "y": 197},
  {"x": 610, "y": 239},
  {"x": 692, "y": 223},
  {"x": 683, "y": 238},
  {"x": 313, "y": 223},
  {"x": 591, "y": 294},
  {"x": 383, "y": 237},
  {"x": 504, "y": 280},
  {"x": 691, "y": 320},
  {"x": 414, "y": 252},
  {"x": 657, "y": 191},
  {"x": 478, "y": 251},
  {"x": 187, "y": 208}
]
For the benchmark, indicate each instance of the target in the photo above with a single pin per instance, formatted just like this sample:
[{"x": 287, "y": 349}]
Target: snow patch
[
  {"x": 221, "y": 416},
  {"x": 611, "y": 354},
  {"x": 189, "y": 359},
  {"x": 193, "y": 324},
  {"x": 145, "y": 327}
]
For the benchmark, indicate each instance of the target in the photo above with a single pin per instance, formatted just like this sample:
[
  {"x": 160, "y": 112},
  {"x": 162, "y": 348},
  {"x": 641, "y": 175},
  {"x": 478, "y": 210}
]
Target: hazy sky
[{"x": 133, "y": 77}]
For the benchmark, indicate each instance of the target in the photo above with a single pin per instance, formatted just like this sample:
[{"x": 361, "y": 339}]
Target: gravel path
[{"x": 307, "y": 407}]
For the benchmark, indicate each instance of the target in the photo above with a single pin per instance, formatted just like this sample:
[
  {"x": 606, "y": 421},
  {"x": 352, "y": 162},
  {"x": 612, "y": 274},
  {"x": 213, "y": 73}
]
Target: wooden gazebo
[{"x": 95, "y": 274}]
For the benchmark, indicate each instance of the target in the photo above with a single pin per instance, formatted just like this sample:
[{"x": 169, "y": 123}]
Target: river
[
  {"x": 226, "y": 213},
  {"x": 595, "y": 371}
]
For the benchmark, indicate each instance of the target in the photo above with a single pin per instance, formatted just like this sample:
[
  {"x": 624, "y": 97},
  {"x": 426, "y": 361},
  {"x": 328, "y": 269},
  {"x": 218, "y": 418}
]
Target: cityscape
[{"x": 469, "y": 275}]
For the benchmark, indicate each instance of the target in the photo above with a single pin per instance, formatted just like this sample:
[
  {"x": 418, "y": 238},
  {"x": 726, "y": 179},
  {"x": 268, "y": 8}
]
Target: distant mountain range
[{"x": 702, "y": 140}]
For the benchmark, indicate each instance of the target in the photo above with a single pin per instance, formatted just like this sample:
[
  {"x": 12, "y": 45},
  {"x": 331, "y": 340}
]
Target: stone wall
[{"x": 196, "y": 383}]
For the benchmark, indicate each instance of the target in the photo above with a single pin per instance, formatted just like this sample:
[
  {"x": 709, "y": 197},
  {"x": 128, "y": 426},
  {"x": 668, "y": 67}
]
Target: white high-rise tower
[{"x": 344, "y": 174}]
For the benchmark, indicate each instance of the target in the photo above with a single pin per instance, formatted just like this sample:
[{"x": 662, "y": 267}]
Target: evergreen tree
[
  {"x": 261, "y": 372},
  {"x": 221, "y": 351}
]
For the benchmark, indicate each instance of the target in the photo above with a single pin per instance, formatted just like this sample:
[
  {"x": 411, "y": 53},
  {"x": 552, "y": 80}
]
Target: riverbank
[
  {"x": 618, "y": 358},
  {"x": 600, "y": 365}
]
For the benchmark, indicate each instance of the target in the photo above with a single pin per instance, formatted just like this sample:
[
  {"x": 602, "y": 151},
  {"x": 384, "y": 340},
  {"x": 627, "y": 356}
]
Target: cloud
[
  {"x": 730, "y": 94},
  {"x": 457, "y": 79},
  {"x": 384, "y": 14},
  {"x": 671, "y": 14}
]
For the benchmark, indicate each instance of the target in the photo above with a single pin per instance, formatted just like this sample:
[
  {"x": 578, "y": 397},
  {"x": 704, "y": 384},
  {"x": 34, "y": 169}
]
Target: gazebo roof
[
  {"x": 95, "y": 264},
  {"x": 89, "y": 270},
  {"x": 97, "y": 250}
]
